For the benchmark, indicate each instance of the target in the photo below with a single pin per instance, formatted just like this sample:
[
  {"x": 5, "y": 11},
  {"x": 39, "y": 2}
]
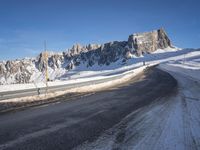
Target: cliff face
[
  {"x": 29, "y": 70},
  {"x": 149, "y": 41}
]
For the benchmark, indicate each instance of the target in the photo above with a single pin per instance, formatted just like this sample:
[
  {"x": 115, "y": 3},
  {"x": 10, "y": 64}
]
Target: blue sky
[{"x": 25, "y": 24}]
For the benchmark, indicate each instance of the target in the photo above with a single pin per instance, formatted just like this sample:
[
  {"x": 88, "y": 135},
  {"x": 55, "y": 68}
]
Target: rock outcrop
[
  {"x": 149, "y": 41},
  {"x": 28, "y": 70}
]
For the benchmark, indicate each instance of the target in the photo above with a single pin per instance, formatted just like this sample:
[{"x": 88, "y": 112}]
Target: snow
[{"x": 189, "y": 67}]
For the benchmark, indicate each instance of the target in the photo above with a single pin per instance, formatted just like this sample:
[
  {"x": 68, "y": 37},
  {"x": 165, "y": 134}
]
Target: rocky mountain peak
[
  {"x": 42, "y": 61},
  {"x": 148, "y": 42},
  {"x": 92, "y": 46}
]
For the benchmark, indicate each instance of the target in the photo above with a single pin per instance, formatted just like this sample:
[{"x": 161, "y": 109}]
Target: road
[{"x": 79, "y": 122}]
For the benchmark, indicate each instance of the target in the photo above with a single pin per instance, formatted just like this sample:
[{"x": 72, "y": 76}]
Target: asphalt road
[{"x": 68, "y": 124}]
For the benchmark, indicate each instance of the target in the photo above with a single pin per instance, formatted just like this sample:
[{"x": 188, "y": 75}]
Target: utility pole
[{"x": 46, "y": 67}]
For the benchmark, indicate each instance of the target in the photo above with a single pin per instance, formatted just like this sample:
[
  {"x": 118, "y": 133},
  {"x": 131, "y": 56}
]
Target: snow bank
[{"x": 83, "y": 89}]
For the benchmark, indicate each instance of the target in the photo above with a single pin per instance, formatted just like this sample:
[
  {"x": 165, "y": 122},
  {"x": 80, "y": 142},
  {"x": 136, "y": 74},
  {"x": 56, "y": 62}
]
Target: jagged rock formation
[
  {"x": 53, "y": 60},
  {"x": 15, "y": 71},
  {"x": 42, "y": 61},
  {"x": 28, "y": 70}
]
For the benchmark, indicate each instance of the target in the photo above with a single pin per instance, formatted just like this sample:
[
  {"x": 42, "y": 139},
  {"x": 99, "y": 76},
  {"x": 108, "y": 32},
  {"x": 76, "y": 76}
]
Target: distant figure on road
[{"x": 143, "y": 63}]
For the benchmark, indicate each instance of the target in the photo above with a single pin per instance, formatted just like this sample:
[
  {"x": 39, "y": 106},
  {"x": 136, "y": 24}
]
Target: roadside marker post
[{"x": 46, "y": 68}]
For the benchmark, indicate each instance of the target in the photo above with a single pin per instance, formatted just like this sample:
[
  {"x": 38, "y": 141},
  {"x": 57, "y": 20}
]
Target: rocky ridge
[{"x": 28, "y": 70}]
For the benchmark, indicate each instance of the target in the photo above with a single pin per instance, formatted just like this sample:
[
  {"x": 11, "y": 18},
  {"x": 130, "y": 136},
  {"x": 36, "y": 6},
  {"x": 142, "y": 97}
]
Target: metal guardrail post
[{"x": 38, "y": 91}]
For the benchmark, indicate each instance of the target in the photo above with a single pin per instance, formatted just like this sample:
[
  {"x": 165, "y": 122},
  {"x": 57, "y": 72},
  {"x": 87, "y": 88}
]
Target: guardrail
[{"x": 42, "y": 90}]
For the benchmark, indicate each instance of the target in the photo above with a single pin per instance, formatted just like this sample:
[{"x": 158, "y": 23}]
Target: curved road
[{"x": 73, "y": 124}]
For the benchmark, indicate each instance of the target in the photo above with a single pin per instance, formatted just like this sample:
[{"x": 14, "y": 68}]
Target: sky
[{"x": 26, "y": 24}]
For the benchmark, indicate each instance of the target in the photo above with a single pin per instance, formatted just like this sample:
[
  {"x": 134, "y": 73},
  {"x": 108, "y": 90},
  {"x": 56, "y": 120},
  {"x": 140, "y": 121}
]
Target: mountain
[{"x": 31, "y": 70}]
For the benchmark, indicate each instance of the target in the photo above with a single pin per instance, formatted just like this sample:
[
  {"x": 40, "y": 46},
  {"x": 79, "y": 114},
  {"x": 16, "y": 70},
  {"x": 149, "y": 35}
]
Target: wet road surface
[{"x": 68, "y": 124}]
